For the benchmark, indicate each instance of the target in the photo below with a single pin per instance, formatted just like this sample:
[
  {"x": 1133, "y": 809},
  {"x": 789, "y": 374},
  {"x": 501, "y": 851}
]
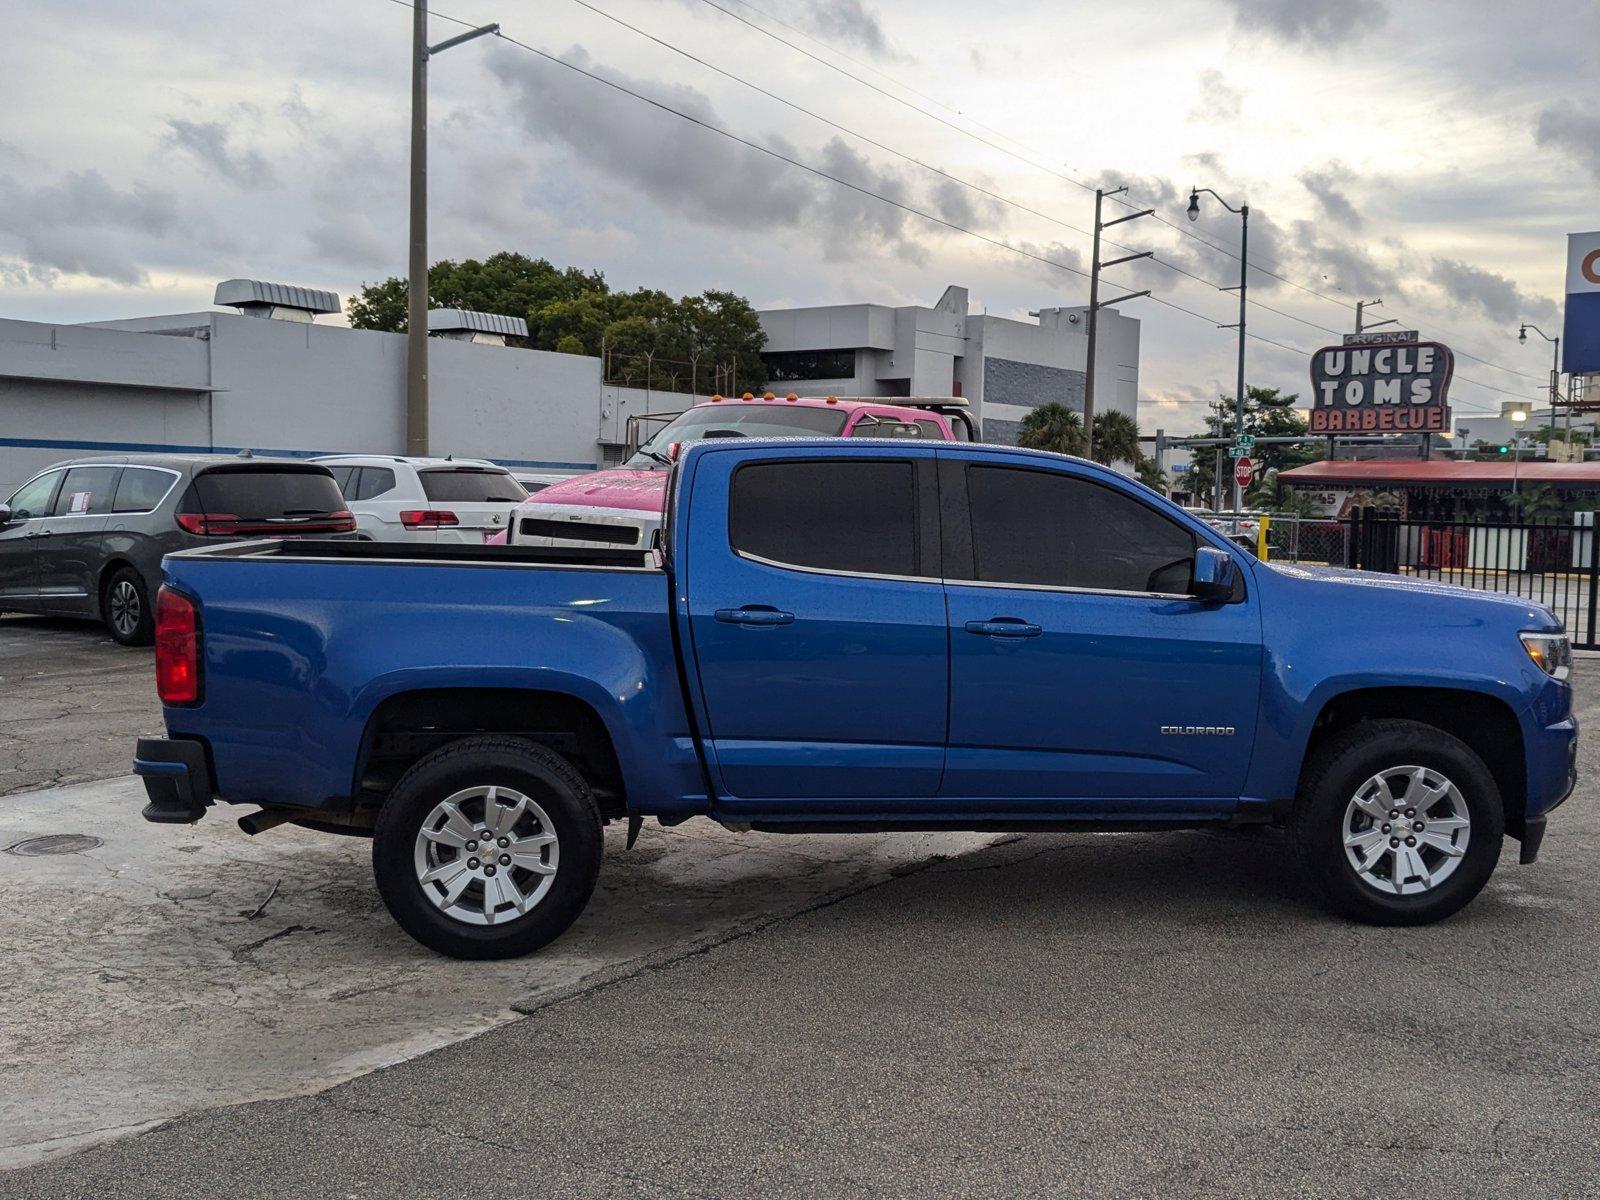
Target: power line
[
  {"x": 900, "y": 205},
  {"x": 1265, "y": 269}
]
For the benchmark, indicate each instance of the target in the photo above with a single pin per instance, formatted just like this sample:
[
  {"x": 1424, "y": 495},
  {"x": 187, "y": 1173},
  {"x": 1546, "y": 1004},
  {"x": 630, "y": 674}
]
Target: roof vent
[
  {"x": 280, "y": 301},
  {"x": 464, "y": 325}
]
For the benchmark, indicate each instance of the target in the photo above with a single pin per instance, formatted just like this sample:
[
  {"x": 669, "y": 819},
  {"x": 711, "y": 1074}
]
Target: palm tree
[
  {"x": 1054, "y": 427},
  {"x": 1116, "y": 438},
  {"x": 1149, "y": 474}
]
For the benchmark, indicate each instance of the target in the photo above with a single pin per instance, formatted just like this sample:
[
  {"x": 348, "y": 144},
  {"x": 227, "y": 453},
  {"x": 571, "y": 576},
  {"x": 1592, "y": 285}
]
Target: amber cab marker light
[
  {"x": 833, "y": 399},
  {"x": 716, "y": 399},
  {"x": 748, "y": 396},
  {"x": 791, "y": 397}
]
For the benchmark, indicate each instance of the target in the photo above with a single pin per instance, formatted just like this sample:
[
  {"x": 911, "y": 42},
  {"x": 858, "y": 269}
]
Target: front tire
[
  {"x": 1397, "y": 823},
  {"x": 488, "y": 848},
  {"x": 125, "y": 608}
]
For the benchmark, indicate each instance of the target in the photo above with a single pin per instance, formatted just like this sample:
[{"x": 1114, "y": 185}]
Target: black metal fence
[{"x": 1553, "y": 563}]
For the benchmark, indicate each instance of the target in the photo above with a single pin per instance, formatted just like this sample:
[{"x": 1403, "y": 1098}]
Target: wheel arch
[
  {"x": 406, "y": 725},
  {"x": 1486, "y": 723}
]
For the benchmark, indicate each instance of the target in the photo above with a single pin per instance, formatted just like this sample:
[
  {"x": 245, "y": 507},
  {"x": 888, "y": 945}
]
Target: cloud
[
  {"x": 207, "y": 141},
  {"x": 81, "y": 225},
  {"x": 656, "y": 158},
  {"x": 1309, "y": 24},
  {"x": 1218, "y": 101},
  {"x": 1498, "y": 298},
  {"x": 1566, "y": 128},
  {"x": 845, "y": 21},
  {"x": 1327, "y": 188}
]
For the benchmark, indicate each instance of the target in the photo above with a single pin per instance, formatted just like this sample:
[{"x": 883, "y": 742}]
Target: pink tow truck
[{"x": 621, "y": 507}]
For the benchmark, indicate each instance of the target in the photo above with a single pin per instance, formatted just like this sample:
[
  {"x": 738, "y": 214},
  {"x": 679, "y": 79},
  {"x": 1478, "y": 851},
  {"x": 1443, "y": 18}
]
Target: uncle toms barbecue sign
[{"x": 1381, "y": 383}]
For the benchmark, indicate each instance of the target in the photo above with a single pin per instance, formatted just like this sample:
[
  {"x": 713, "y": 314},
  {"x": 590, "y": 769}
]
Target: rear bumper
[{"x": 177, "y": 780}]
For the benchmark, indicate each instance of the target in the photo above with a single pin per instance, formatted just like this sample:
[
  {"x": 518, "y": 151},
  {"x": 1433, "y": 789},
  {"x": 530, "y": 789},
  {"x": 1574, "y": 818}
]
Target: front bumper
[{"x": 176, "y": 777}]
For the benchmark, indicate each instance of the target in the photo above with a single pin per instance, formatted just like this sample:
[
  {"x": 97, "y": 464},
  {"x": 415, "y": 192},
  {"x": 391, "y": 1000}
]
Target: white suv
[{"x": 397, "y": 499}]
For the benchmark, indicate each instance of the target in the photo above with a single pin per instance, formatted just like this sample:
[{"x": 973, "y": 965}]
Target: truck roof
[{"x": 910, "y": 406}]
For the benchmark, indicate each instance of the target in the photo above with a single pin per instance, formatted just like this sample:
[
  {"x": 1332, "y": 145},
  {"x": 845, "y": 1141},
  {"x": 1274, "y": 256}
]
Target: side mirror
[
  {"x": 1215, "y": 574},
  {"x": 5, "y": 514}
]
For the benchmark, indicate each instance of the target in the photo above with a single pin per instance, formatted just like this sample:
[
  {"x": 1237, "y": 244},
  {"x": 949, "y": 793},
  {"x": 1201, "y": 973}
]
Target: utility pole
[
  {"x": 417, "y": 283},
  {"x": 1095, "y": 305},
  {"x": 1244, "y": 279},
  {"x": 1362, "y": 328}
]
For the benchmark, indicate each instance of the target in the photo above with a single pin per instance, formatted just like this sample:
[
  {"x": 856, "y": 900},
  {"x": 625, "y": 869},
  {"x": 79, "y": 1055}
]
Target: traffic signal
[{"x": 1502, "y": 448}]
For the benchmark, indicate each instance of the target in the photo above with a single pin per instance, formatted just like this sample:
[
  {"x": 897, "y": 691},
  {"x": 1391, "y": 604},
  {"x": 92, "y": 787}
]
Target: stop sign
[{"x": 1243, "y": 471}]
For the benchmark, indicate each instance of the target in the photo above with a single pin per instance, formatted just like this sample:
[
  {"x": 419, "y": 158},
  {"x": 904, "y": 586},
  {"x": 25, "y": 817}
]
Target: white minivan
[{"x": 400, "y": 499}]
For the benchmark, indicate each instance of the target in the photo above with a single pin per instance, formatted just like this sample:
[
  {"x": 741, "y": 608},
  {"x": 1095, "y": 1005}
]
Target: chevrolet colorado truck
[{"x": 854, "y": 635}]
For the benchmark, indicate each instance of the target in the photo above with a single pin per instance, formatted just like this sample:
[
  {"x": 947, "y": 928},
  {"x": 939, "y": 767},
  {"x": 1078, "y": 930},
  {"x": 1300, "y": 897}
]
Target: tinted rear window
[
  {"x": 265, "y": 493},
  {"x": 471, "y": 486},
  {"x": 87, "y": 491},
  {"x": 857, "y": 516}
]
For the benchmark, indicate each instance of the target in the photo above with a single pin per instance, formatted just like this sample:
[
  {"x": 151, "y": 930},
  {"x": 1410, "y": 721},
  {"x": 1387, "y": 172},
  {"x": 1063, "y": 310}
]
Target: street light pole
[
  {"x": 1555, "y": 375},
  {"x": 1244, "y": 270},
  {"x": 417, "y": 266}
]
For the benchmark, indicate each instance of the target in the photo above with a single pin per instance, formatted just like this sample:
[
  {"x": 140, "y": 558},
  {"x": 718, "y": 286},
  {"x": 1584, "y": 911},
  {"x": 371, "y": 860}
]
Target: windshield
[{"x": 740, "y": 420}]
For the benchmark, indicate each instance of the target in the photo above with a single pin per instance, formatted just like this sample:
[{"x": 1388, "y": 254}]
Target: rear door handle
[
  {"x": 755, "y": 614},
  {"x": 1004, "y": 627}
]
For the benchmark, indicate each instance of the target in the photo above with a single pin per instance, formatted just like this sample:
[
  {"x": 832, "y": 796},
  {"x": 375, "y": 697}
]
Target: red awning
[{"x": 1401, "y": 472}]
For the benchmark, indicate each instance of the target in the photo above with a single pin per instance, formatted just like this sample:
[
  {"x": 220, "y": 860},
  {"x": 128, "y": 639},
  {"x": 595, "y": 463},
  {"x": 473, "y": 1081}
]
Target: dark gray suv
[{"x": 85, "y": 538}]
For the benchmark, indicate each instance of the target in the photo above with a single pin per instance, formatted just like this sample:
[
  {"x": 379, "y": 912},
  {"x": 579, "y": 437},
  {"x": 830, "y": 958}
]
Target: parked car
[
  {"x": 398, "y": 499},
  {"x": 85, "y": 538},
  {"x": 622, "y": 506},
  {"x": 855, "y": 637}
]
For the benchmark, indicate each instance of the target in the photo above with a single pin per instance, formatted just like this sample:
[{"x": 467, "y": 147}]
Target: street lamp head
[
  {"x": 1519, "y": 416},
  {"x": 1522, "y": 335},
  {"x": 1194, "y": 204}
]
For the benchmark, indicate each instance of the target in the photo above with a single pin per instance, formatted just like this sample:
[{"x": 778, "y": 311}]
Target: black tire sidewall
[
  {"x": 145, "y": 631},
  {"x": 1320, "y": 822},
  {"x": 476, "y": 762}
]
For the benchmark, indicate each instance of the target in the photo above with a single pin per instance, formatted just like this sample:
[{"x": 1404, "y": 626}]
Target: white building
[
  {"x": 265, "y": 375},
  {"x": 1003, "y": 367}
]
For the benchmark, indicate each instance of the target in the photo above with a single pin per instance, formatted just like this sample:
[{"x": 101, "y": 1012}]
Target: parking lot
[{"x": 189, "y": 1011}]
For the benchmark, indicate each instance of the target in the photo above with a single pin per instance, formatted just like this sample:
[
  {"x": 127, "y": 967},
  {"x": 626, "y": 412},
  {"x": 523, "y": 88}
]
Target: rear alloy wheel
[
  {"x": 125, "y": 605},
  {"x": 488, "y": 848},
  {"x": 1397, "y": 823}
]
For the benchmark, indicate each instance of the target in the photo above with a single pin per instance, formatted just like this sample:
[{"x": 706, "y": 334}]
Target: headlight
[{"x": 1551, "y": 652}]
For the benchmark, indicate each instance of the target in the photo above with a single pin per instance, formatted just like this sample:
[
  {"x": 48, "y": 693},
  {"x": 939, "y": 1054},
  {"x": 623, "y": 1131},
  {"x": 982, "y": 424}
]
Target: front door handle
[
  {"x": 754, "y": 614},
  {"x": 1004, "y": 627}
]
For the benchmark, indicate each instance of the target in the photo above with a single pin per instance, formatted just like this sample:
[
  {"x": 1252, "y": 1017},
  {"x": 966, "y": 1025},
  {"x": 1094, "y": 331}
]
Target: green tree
[
  {"x": 710, "y": 341},
  {"x": 1053, "y": 427},
  {"x": 1116, "y": 438},
  {"x": 1267, "y": 413},
  {"x": 1150, "y": 474}
]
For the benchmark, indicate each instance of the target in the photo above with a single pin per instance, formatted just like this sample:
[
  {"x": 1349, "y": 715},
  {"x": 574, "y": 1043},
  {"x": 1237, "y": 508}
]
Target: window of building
[
  {"x": 854, "y": 516},
  {"x": 1056, "y": 530},
  {"x": 87, "y": 491},
  {"x": 140, "y": 489},
  {"x": 785, "y": 365}
]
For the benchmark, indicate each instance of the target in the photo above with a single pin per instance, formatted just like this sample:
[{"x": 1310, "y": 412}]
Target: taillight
[
  {"x": 208, "y": 524},
  {"x": 343, "y": 521},
  {"x": 427, "y": 518},
  {"x": 177, "y": 648}
]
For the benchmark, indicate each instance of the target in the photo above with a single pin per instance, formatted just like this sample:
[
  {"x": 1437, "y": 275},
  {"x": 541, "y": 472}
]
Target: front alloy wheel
[{"x": 1406, "y": 830}]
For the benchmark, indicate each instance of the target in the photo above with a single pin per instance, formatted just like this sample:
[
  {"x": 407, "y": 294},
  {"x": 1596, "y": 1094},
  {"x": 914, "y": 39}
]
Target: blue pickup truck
[{"x": 854, "y": 636}]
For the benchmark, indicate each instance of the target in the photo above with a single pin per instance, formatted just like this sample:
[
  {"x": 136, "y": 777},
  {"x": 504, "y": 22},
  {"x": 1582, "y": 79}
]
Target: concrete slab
[{"x": 142, "y": 982}]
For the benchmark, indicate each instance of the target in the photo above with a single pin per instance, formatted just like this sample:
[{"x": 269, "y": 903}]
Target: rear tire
[
  {"x": 1397, "y": 823},
  {"x": 125, "y": 608},
  {"x": 488, "y": 848}
]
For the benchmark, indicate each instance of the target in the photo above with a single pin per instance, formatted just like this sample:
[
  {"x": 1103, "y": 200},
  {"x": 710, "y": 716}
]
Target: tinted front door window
[
  {"x": 36, "y": 497},
  {"x": 1054, "y": 530}
]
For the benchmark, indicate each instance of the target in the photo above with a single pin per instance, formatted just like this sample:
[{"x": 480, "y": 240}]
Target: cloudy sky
[{"x": 1425, "y": 152}]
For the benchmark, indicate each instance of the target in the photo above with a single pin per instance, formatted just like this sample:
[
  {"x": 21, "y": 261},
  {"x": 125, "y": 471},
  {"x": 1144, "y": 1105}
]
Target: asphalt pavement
[{"x": 1111, "y": 1015}]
